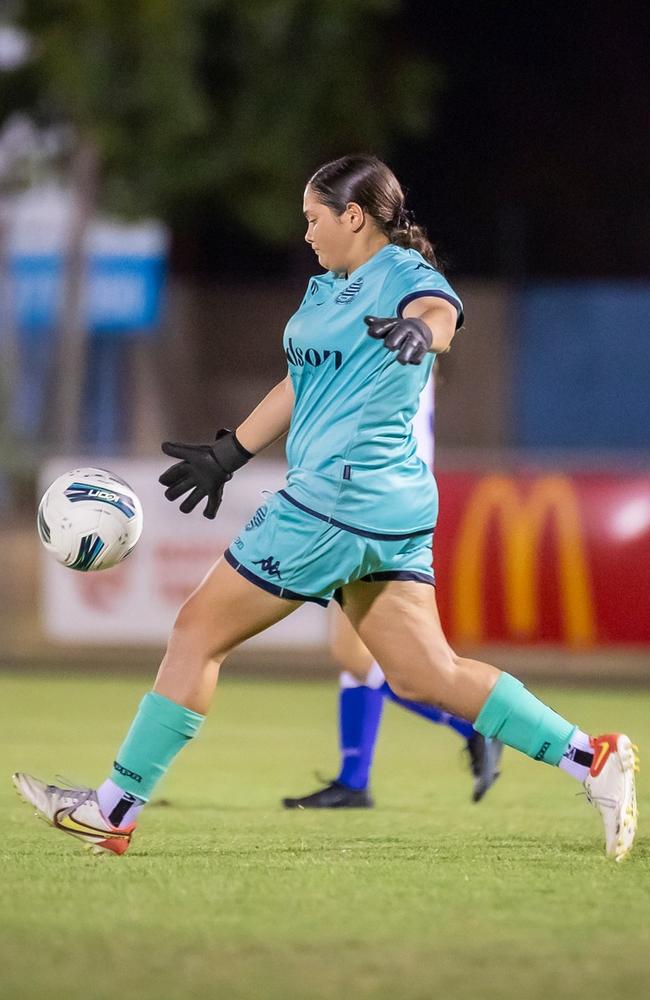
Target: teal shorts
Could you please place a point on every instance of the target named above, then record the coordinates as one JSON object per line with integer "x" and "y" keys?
{"x": 301, "y": 555}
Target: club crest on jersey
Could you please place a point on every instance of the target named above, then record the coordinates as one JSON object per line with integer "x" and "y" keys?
{"x": 84, "y": 491}
{"x": 349, "y": 293}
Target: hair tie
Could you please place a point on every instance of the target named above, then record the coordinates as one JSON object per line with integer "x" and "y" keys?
{"x": 404, "y": 219}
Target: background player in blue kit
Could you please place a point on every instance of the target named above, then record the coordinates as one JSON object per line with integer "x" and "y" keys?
{"x": 363, "y": 691}
{"x": 354, "y": 522}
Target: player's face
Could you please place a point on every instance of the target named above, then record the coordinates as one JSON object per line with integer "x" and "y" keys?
{"x": 329, "y": 235}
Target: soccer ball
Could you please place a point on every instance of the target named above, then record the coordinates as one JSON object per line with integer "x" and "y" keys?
{"x": 89, "y": 519}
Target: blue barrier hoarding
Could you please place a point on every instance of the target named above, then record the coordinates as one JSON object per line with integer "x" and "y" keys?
{"x": 122, "y": 293}
{"x": 582, "y": 358}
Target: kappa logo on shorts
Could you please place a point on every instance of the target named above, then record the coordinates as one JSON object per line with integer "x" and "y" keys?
{"x": 269, "y": 565}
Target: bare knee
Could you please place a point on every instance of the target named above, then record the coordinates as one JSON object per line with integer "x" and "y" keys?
{"x": 349, "y": 653}
{"x": 429, "y": 682}
{"x": 358, "y": 673}
{"x": 188, "y": 617}
{"x": 355, "y": 662}
{"x": 194, "y": 630}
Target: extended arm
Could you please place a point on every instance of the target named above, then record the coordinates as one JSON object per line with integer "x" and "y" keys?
{"x": 439, "y": 315}
{"x": 428, "y": 324}
{"x": 202, "y": 470}
{"x": 269, "y": 420}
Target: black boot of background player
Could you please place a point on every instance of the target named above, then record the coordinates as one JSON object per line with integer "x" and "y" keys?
{"x": 333, "y": 796}
{"x": 484, "y": 758}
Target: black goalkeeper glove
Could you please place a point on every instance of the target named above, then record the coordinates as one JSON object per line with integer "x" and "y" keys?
{"x": 203, "y": 471}
{"x": 411, "y": 338}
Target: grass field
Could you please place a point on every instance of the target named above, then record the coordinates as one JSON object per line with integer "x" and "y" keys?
{"x": 225, "y": 895}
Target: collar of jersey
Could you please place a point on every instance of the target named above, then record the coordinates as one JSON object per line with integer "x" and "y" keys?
{"x": 362, "y": 267}
{"x": 333, "y": 281}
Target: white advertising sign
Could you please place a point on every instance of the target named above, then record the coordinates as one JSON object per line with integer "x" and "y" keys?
{"x": 136, "y": 602}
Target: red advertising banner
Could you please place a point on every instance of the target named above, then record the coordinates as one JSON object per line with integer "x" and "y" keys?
{"x": 544, "y": 558}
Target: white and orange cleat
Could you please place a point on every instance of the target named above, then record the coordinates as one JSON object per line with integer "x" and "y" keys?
{"x": 74, "y": 811}
{"x": 610, "y": 787}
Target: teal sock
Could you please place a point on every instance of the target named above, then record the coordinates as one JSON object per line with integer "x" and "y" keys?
{"x": 520, "y": 720}
{"x": 160, "y": 729}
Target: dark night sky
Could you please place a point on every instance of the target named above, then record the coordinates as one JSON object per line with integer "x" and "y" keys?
{"x": 538, "y": 164}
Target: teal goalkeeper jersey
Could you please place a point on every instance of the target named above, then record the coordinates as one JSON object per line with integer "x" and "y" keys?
{"x": 351, "y": 451}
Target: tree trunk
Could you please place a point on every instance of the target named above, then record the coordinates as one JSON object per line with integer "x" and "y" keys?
{"x": 70, "y": 356}
{"x": 9, "y": 356}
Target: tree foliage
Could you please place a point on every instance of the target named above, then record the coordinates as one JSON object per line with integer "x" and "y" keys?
{"x": 228, "y": 103}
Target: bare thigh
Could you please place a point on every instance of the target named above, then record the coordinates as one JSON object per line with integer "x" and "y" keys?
{"x": 398, "y": 621}
{"x": 224, "y": 611}
{"x": 346, "y": 647}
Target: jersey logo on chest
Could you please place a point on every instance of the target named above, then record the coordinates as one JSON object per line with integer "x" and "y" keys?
{"x": 310, "y": 356}
{"x": 349, "y": 293}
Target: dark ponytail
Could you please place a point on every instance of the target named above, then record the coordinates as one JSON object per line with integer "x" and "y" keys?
{"x": 406, "y": 233}
{"x": 372, "y": 185}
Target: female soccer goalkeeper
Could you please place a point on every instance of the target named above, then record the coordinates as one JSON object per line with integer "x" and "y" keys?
{"x": 354, "y": 522}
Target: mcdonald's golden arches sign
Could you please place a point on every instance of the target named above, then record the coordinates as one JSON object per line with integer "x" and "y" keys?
{"x": 530, "y": 558}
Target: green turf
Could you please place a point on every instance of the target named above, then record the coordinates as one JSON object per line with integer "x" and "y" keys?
{"x": 224, "y": 895}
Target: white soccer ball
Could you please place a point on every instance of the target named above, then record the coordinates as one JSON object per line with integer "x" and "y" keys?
{"x": 89, "y": 519}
